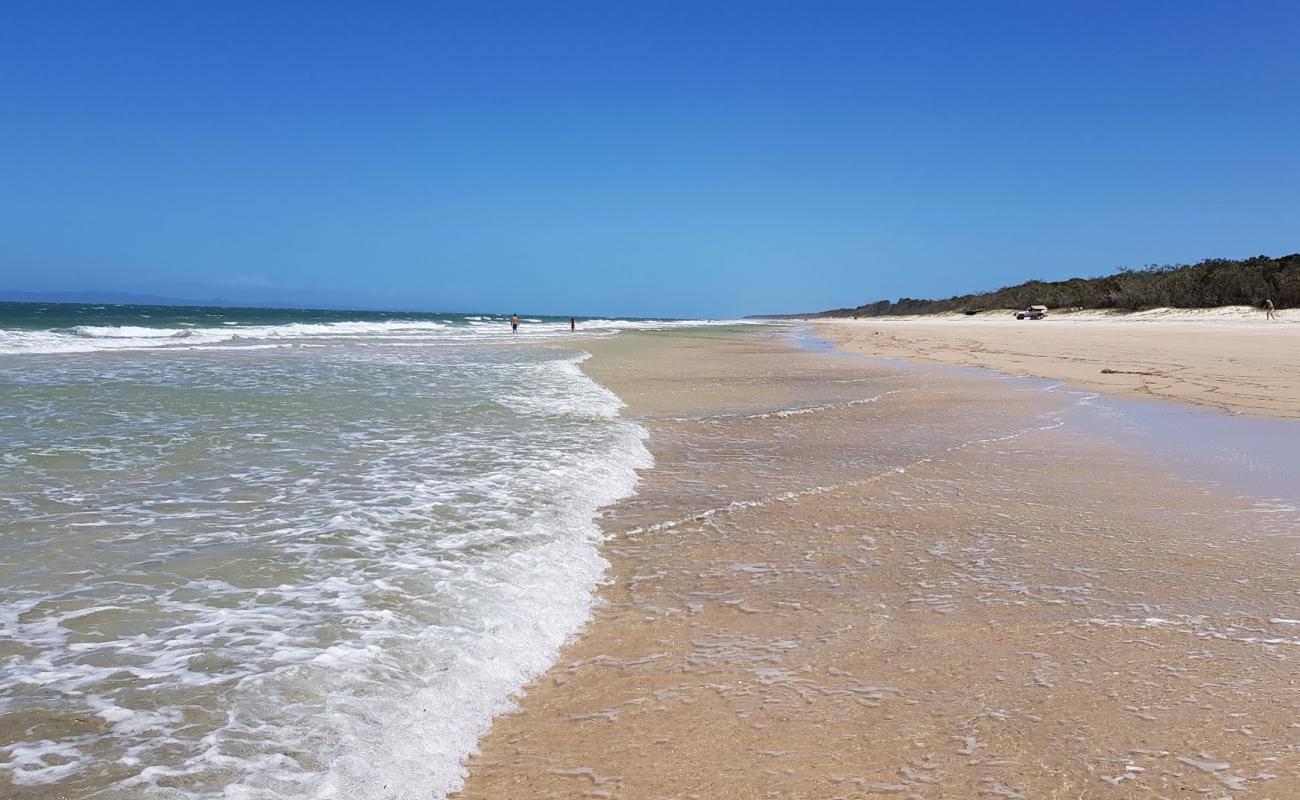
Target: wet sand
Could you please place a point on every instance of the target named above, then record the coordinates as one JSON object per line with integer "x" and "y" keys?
{"x": 848, "y": 578}
{"x": 1244, "y": 365}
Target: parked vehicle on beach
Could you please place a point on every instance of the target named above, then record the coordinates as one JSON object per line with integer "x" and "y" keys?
{"x": 1033, "y": 312}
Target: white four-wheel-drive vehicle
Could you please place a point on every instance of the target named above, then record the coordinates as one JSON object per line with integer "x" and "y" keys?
{"x": 1033, "y": 312}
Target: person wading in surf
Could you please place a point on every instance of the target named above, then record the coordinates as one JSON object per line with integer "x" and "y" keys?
{"x": 573, "y": 324}
{"x": 514, "y": 323}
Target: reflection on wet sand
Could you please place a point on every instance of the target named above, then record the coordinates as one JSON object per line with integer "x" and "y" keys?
{"x": 911, "y": 588}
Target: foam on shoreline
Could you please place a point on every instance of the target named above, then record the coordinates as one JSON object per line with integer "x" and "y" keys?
{"x": 311, "y": 577}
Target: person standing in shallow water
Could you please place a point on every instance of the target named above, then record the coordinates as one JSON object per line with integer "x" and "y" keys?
{"x": 573, "y": 324}
{"x": 514, "y": 323}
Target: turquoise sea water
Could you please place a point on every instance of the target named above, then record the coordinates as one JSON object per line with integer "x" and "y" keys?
{"x": 262, "y": 553}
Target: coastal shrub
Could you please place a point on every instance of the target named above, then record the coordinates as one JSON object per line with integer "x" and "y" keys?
{"x": 1207, "y": 284}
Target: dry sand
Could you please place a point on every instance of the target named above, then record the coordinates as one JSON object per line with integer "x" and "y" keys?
{"x": 1231, "y": 359}
{"x": 847, "y": 578}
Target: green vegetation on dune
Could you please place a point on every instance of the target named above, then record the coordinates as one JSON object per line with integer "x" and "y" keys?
{"x": 1213, "y": 282}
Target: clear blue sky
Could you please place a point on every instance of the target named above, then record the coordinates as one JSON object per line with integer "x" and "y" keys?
{"x": 657, "y": 158}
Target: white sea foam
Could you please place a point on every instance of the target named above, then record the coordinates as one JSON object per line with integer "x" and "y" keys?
{"x": 128, "y": 332}
{"x": 92, "y": 338}
{"x": 294, "y": 575}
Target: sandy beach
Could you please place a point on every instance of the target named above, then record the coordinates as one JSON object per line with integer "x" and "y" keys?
{"x": 1233, "y": 359}
{"x": 855, "y": 578}
{"x": 465, "y": 401}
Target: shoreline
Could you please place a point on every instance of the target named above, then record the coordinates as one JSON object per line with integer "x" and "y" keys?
{"x": 1239, "y": 366}
{"x": 828, "y": 587}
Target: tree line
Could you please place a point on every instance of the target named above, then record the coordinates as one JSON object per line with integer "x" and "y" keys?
{"x": 1209, "y": 283}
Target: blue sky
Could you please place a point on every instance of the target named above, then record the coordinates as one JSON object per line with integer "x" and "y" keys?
{"x": 654, "y": 158}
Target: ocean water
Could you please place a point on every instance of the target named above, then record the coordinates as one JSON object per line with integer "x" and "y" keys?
{"x": 287, "y": 554}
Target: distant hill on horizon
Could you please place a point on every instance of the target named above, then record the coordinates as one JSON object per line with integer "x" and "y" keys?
{"x": 1207, "y": 284}
{"x": 130, "y": 299}
{"x": 125, "y": 299}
